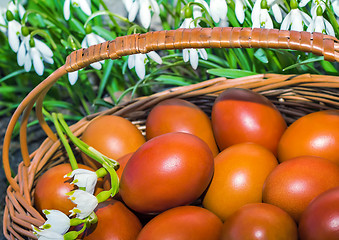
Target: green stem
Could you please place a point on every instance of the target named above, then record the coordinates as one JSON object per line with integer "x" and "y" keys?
{"x": 88, "y": 150}
{"x": 64, "y": 141}
{"x": 333, "y": 20}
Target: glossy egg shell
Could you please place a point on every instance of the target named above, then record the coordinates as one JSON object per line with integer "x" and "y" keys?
{"x": 293, "y": 184}
{"x": 113, "y": 136}
{"x": 320, "y": 220}
{"x": 170, "y": 170}
{"x": 241, "y": 115}
{"x": 182, "y": 223}
{"x": 115, "y": 221}
{"x": 178, "y": 115}
{"x": 239, "y": 175}
{"x": 51, "y": 188}
{"x": 315, "y": 134}
{"x": 258, "y": 221}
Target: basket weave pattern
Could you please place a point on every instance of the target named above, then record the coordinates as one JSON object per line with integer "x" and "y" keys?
{"x": 294, "y": 96}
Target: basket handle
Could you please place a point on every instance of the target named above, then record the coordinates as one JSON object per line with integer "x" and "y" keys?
{"x": 217, "y": 37}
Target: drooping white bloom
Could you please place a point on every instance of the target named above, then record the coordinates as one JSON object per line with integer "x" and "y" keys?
{"x": 89, "y": 40}
{"x": 85, "y": 6}
{"x": 197, "y": 10}
{"x": 218, "y": 10}
{"x": 84, "y": 178}
{"x": 139, "y": 60}
{"x": 240, "y": 10}
{"x": 36, "y": 54}
{"x": 295, "y": 20}
{"x": 16, "y": 7}
{"x": 192, "y": 54}
{"x": 14, "y": 33}
{"x": 144, "y": 8}
{"x": 55, "y": 227}
{"x": 335, "y": 5}
{"x": 86, "y": 203}
{"x": 260, "y": 17}
{"x": 320, "y": 24}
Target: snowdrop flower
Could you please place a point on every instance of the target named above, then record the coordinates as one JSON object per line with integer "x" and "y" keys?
{"x": 320, "y": 24}
{"x": 55, "y": 227}
{"x": 192, "y": 54}
{"x": 218, "y": 9}
{"x": 86, "y": 203}
{"x": 197, "y": 10}
{"x": 34, "y": 51}
{"x": 240, "y": 10}
{"x": 84, "y": 179}
{"x": 260, "y": 16}
{"x": 295, "y": 19}
{"x": 315, "y": 4}
{"x": 89, "y": 40}
{"x": 139, "y": 60}
{"x": 16, "y": 8}
{"x": 335, "y": 5}
{"x": 85, "y": 6}
{"x": 144, "y": 8}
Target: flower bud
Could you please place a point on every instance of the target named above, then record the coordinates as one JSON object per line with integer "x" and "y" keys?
{"x": 263, "y": 4}
{"x": 294, "y": 4}
{"x": 9, "y": 16}
{"x": 88, "y": 29}
{"x": 24, "y": 31}
{"x": 188, "y": 12}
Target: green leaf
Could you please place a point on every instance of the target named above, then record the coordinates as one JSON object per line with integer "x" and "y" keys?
{"x": 310, "y": 60}
{"x": 261, "y": 55}
{"x": 77, "y": 26}
{"x": 108, "y": 35}
{"x": 13, "y": 74}
{"x": 173, "y": 80}
{"x": 230, "y": 73}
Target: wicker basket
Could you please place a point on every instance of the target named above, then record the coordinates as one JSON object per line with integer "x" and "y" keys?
{"x": 294, "y": 96}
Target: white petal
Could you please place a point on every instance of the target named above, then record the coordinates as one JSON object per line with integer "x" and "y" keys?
{"x": 267, "y": 19}
{"x": 49, "y": 235}
{"x": 86, "y": 203}
{"x": 255, "y": 16}
{"x": 14, "y": 29}
{"x": 197, "y": 10}
{"x": 133, "y": 11}
{"x": 140, "y": 65}
{"x": 91, "y": 39}
{"x": 155, "y": 57}
{"x": 2, "y": 22}
{"x": 297, "y": 23}
{"x": 306, "y": 19}
{"x": 131, "y": 61}
{"x": 28, "y": 62}
{"x": 203, "y": 54}
{"x": 155, "y": 7}
{"x": 37, "y": 61}
{"x": 48, "y": 59}
{"x": 186, "y": 23}
{"x": 310, "y": 27}
{"x": 277, "y": 13}
{"x": 127, "y": 4}
{"x": 99, "y": 38}
{"x": 145, "y": 14}
{"x": 329, "y": 28}
{"x": 58, "y": 221}
{"x": 85, "y": 6}
{"x": 21, "y": 10}
{"x": 67, "y": 12}
{"x": 43, "y": 48}
{"x": 96, "y": 65}
{"x": 214, "y": 11}
{"x": 194, "y": 58}
{"x": 73, "y": 77}
{"x": 11, "y": 7}
{"x": 185, "y": 55}
{"x": 286, "y": 22}
{"x": 84, "y": 178}
{"x": 335, "y": 5}
{"x": 21, "y": 54}
{"x": 239, "y": 11}
{"x": 84, "y": 43}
